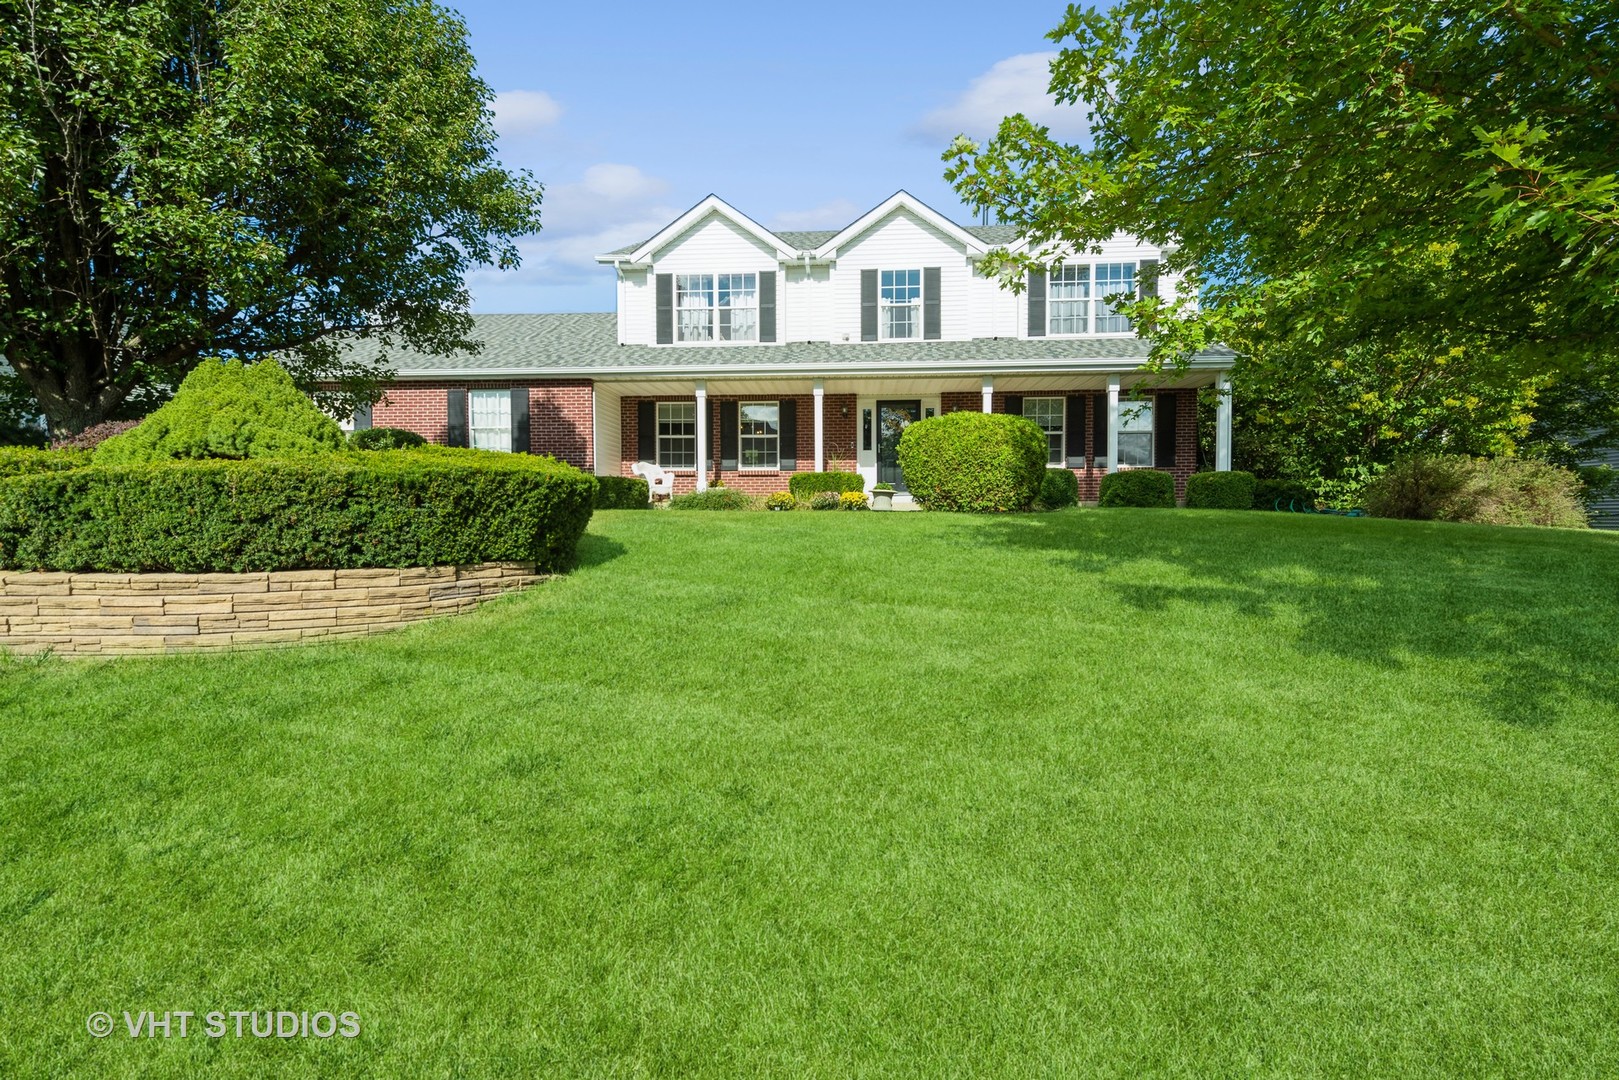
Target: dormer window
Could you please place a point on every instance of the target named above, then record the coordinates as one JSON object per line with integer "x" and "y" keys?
{"x": 900, "y": 303}
{"x": 717, "y": 307}
{"x": 1112, "y": 279}
{"x": 1069, "y": 300}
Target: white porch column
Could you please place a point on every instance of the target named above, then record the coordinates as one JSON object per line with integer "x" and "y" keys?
{"x": 989, "y": 393}
{"x": 1113, "y": 423}
{"x": 820, "y": 426}
{"x": 702, "y": 436}
{"x": 1222, "y": 424}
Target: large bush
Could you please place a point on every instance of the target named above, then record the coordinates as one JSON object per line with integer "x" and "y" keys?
{"x": 1059, "y": 488}
{"x": 385, "y": 438}
{"x": 18, "y": 460}
{"x": 973, "y": 461}
{"x": 622, "y": 493}
{"x": 390, "y": 508}
{"x": 805, "y": 484}
{"x": 1486, "y": 491}
{"x": 718, "y": 498}
{"x": 1137, "y": 487}
{"x": 1232, "y": 490}
{"x": 227, "y": 409}
{"x": 1275, "y": 494}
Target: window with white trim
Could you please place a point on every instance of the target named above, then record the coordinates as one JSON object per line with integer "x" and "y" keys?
{"x": 1047, "y": 412}
{"x": 899, "y": 304}
{"x": 1135, "y": 432}
{"x": 677, "y": 434}
{"x": 489, "y": 419}
{"x": 717, "y": 307}
{"x": 1068, "y": 300}
{"x": 1112, "y": 279}
{"x": 760, "y": 437}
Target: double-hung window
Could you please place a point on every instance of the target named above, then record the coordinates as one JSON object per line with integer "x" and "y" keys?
{"x": 1112, "y": 279}
{"x": 489, "y": 414}
{"x": 1068, "y": 300}
{"x": 760, "y": 435}
{"x": 717, "y": 307}
{"x": 900, "y": 304}
{"x": 1135, "y": 432}
{"x": 1047, "y": 412}
{"x": 677, "y": 434}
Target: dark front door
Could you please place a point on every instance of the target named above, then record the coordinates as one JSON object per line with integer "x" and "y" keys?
{"x": 893, "y": 417}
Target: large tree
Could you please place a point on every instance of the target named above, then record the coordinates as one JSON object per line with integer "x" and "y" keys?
{"x": 190, "y": 177}
{"x": 1342, "y": 175}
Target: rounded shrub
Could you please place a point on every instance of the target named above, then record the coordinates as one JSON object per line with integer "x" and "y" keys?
{"x": 716, "y": 498}
{"x": 1059, "y": 488}
{"x": 853, "y": 500}
{"x": 972, "y": 461}
{"x": 1137, "y": 487}
{"x": 781, "y": 500}
{"x": 826, "y": 500}
{"x": 622, "y": 493}
{"x": 227, "y": 409}
{"x": 385, "y": 438}
{"x": 1232, "y": 490}
{"x": 805, "y": 484}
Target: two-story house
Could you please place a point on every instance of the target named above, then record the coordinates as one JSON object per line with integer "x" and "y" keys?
{"x": 740, "y": 355}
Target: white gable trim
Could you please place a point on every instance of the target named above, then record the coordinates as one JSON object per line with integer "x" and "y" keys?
{"x": 713, "y": 204}
{"x": 901, "y": 200}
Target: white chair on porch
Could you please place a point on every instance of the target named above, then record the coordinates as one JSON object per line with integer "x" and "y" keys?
{"x": 658, "y": 481}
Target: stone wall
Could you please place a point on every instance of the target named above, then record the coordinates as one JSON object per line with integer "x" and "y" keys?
{"x": 109, "y": 614}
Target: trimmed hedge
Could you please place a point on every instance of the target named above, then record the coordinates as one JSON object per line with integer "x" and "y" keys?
{"x": 1137, "y": 487}
{"x": 713, "y": 499}
{"x": 973, "y": 461}
{"x": 1232, "y": 490}
{"x": 21, "y": 460}
{"x": 339, "y": 511}
{"x": 622, "y": 493}
{"x": 1282, "y": 495}
{"x": 385, "y": 438}
{"x": 1059, "y": 488}
{"x": 805, "y": 484}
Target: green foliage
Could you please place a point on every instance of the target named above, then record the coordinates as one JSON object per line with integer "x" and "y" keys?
{"x": 622, "y": 493}
{"x": 853, "y": 500}
{"x": 227, "y": 409}
{"x": 385, "y": 438}
{"x": 1220, "y": 490}
{"x": 20, "y": 460}
{"x": 94, "y": 435}
{"x": 1487, "y": 491}
{"x": 1059, "y": 488}
{"x": 188, "y": 175}
{"x": 715, "y": 498}
{"x": 1282, "y": 495}
{"x": 973, "y": 461}
{"x": 805, "y": 484}
{"x": 390, "y": 508}
{"x": 781, "y": 500}
{"x": 1137, "y": 487}
{"x": 826, "y": 500}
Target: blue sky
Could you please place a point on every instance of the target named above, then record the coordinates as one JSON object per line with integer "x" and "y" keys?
{"x": 800, "y": 115}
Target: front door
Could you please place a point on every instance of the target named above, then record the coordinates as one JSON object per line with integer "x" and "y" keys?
{"x": 893, "y": 417}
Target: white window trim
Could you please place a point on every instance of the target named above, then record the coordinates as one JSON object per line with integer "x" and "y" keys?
{"x": 473, "y": 429}
{"x": 739, "y": 437}
{"x": 714, "y": 309}
{"x": 918, "y": 306}
{"x": 659, "y": 436}
{"x": 1152, "y": 435}
{"x": 1096, "y": 298}
{"x": 1062, "y": 427}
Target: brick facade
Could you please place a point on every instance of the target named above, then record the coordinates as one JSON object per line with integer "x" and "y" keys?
{"x": 559, "y": 413}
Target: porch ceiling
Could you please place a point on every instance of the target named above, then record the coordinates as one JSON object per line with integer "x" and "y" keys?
{"x": 899, "y": 384}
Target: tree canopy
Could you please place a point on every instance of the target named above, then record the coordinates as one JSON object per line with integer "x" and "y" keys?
{"x": 184, "y": 178}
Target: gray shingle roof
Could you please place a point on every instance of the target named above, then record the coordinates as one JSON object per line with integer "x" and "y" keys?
{"x": 587, "y": 344}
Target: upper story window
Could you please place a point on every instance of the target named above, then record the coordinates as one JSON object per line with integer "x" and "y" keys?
{"x": 1047, "y": 412}
{"x": 900, "y": 304}
{"x": 1068, "y": 302}
{"x": 489, "y": 414}
{"x": 677, "y": 434}
{"x": 1135, "y": 432}
{"x": 717, "y": 307}
{"x": 761, "y": 434}
{"x": 1112, "y": 279}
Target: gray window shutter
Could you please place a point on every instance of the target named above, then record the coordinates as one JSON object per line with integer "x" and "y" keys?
{"x": 520, "y": 443}
{"x": 730, "y": 424}
{"x": 666, "y": 309}
{"x": 1147, "y": 278}
{"x": 930, "y": 303}
{"x": 362, "y": 417}
{"x": 1012, "y": 404}
{"x": 456, "y": 432}
{"x": 1098, "y": 426}
{"x": 1074, "y": 431}
{"x": 789, "y": 434}
{"x": 767, "y": 306}
{"x": 646, "y": 430}
{"x": 1163, "y": 429}
{"x": 1037, "y": 303}
{"x": 868, "y": 305}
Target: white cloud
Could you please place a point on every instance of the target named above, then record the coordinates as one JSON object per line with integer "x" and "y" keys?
{"x": 519, "y": 113}
{"x": 832, "y": 215}
{"x": 1017, "y": 84}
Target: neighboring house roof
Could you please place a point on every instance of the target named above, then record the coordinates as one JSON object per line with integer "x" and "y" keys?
{"x": 586, "y": 345}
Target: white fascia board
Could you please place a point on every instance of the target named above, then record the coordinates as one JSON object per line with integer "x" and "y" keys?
{"x": 901, "y": 200}
{"x": 712, "y": 204}
{"x": 1094, "y": 366}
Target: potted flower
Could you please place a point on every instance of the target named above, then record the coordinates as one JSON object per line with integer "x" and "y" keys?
{"x": 882, "y": 497}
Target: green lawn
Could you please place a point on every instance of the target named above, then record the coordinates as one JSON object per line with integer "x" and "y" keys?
{"x": 1097, "y": 793}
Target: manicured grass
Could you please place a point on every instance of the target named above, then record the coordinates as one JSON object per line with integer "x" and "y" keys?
{"x": 1082, "y": 794}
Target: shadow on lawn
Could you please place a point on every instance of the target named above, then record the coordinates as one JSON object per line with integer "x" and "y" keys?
{"x": 1367, "y": 592}
{"x": 596, "y": 550}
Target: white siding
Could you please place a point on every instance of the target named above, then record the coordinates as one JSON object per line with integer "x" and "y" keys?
{"x": 637, "y": 308}
{"x": 902, "y": 241}
{"x": 805, "y": 304}
{"x": 713, "y": 246}
{"x": 607, "y": 431}
{"x": 1121, "y": 248}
